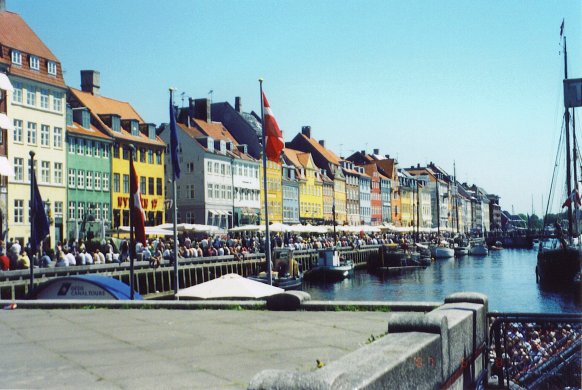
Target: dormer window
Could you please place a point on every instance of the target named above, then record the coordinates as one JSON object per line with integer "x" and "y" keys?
{"x": 34, "y": 62}
{"x": 151, "y": 131}
{"x": 52, "y": 68}
{"x": 134, "y": 128}
{"x": 222, "y": 146}
{"x": 115, "y": 123}
{"x": 69, "y": 115}
{"x": 16, "y": 57}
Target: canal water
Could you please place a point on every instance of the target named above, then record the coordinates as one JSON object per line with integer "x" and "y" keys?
{"x": 507, "y": 277}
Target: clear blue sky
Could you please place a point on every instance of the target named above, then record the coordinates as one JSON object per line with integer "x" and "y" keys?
{"x": 472, "y": 82}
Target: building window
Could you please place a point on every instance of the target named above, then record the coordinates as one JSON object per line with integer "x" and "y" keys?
{"x": 59, "y": 209}
{"x": 58, "y": 168}
{"x": 72, "y": 145}
{"x": 217, "y": 191}
{"x": 142, "y": 155}
{"x": 105, "y": 212}
{"x": 45, "y": 134}
{"x": 58, "y": 137}
{"x": 97, "y": 149}
{"x": 52, "y": 67}
{"x": 81, "y": 209}
{"x": 18, "y": 169}
{"x": 71, "y": 178}
{"x": 44, "y": 99}
{"x": 98, "y": 181}
{"x": 150, "y": 156}
{"x": 80, "y": 179}
{"x": 158, "y": 186}
{"x": 106, "y": 181}
{"x": 190, "y": 167}
{"x": 18, "y": 211}
{"x": 209, "y": 195}
{"x": 16, "y": 57}
{"x": 151, "y": 185}
{"x": 126, "y": 184}
{"x": 106, "y": 151}
{"x": 89, "y": 181}
{"x": 116, "y": 182}
{"x": 115, "y": 151}
{"x": 31, "y": 95}
{"x": 80, "y": 147}
{"x": 58, "y": 102}
{"x": 34, "y": 62}
{"x": 134, "y": 128}
{"x": 209, "y": 167}
{"x": 159, "y": 158}
{"x": 31, "y": 134}
{"x": 89, "y": 148}
{"x": 125, "y": 154}
{"x": 71, "y": 210}
{"x": 17, "y": 131}
{"x": 142, "y": 185}
{"x": 17, "y": 93}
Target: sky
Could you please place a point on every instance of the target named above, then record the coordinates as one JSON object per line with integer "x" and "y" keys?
{"x": 471, "y": 84}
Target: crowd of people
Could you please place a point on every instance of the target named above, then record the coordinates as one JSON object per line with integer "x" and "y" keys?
{"x": 14, "y": 255}
{"x": 530, "y": 345}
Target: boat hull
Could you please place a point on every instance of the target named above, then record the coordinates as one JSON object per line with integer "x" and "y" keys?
{"x": 329, "y": 273}
{"x": 558, "y": 265}
{"x": 286, "y": 283}
{"x": 478, "y": 251}
{"x": 443, "y": 253}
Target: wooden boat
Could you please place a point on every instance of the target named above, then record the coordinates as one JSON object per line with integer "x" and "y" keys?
{"x": 330, "y": 267}
{"x": 286, "y": 274}
{"x": 559, "y": 258}
{"x": 286, "y": 282}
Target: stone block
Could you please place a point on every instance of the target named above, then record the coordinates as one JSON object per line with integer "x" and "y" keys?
{"x": 396, "y": 361}
{"x": 287, "y": 301}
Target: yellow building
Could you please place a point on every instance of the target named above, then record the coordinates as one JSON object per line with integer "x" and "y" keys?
{"x": 274, "y": 193}
{"x": 310, "y": 187}
{"x": 121, "y": 122}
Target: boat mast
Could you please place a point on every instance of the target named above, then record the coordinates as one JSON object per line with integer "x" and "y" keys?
{"x": 456, "y": 196}
{"x": 568, "y": 157}
{"x": 438, "y": 208}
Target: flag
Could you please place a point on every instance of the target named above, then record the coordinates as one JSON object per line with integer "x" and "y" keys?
{"x": 273, "y": 137}
{"x": 574, "y": 197}
{"x": 39, "y": 222}
{"x": 174, "y": 142}
{"x": 562, "y": 28}
{"x": 137, "y": 213}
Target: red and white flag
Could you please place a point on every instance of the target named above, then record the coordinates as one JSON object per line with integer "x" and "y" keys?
{"x": 574, "y": 197}
{"x": 274, "y": 143}
{"x": 137, "y": 213}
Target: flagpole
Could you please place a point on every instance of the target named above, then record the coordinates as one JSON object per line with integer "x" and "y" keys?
{"x": 32, "y": 227}
{"x": 174, "y": 207}
{"x": 131, "y": 227}
{"x": 267, "y": 236}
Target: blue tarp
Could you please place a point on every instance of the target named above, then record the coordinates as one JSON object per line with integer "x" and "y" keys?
{"x": 59, "y": 288}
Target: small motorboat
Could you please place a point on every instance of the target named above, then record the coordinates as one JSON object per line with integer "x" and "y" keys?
{"x": 286, "y": 274}
{"x": 330, "y": 267}
{"x": 443, "y": 251}
{"x": 478, "y": 249}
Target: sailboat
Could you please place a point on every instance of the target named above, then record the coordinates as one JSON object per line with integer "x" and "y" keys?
{"x": 559, "y": 259}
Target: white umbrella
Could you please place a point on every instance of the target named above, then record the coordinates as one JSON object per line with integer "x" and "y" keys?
{"x": 150, "y": 230}
{"x": 243, "y": 228}
{"x": 229, "y": 286}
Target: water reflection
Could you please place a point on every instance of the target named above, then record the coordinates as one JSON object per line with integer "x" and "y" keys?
{"x": 507, "y": 277}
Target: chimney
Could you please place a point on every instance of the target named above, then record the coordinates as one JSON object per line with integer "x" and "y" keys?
{"x": 376, "y": 151}
{"x": 90, "y": 81}
{"x": 418, "y": 165}
{"x": 322, "y": 143}
{"x": 387, "y": 156}
{"x": 2, "y": 5}
{"x": 306, "y": 131}
{"x": 363, "y": 152}
{"x": 202, "y": 110}
{"x": 237, "y": 104}
{"x": 190, "y": 110}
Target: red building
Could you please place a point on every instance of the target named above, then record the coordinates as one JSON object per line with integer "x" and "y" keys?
{"x": 376, "y": 195}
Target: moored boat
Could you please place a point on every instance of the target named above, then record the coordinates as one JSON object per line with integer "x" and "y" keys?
{"x": 478, "y": 249}
{"x": 330, "y": 267}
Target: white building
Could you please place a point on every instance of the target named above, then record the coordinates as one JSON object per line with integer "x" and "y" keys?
{"x": 37, "y": 108}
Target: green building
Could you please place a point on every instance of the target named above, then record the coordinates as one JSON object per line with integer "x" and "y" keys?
{"x": 88, "y": 176}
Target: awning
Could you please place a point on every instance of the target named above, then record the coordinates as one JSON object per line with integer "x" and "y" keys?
{"x": 214, "y": 212}
{"x": 5, "y": 167}
{"x": 5, "y": 83}
{"x": 5, "y": 122}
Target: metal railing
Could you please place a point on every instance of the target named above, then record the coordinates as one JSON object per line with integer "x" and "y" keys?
{"x": 534, "y": 350}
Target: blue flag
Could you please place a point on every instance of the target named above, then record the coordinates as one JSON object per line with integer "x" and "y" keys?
{"x": 174, "y": 142}
{"x": 39, "y": 228}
